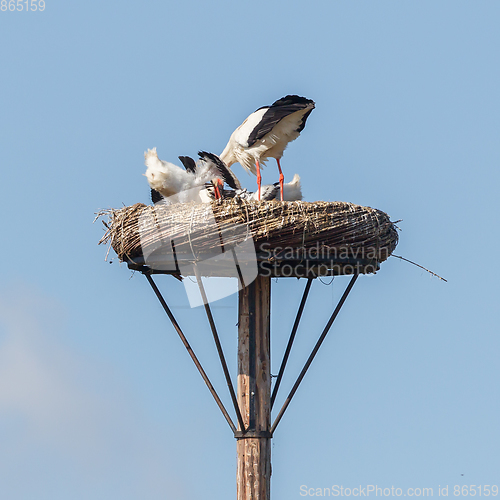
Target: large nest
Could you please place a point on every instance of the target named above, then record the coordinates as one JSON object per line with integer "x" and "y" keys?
{"x": 296, "y": 231}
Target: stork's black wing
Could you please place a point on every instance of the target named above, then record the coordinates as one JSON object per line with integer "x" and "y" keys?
{"x": 279, "y": 110}
{"x": 224, "y": 172}
{"x": 155, "y": 196}
{"x": 189, "y": 163}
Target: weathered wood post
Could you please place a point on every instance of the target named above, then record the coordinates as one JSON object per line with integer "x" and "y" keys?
{"x": 254, "y": 391}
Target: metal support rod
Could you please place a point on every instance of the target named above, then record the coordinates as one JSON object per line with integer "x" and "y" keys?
{"x": 219, "y": 348}
{"x": 314, "y": 352}
{"x": 290, "y": 341}
{"x": 191, "y": 352}
{"x": 238, "y": 269}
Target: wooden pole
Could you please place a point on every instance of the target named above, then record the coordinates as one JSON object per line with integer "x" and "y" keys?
{"x": 253, "y": 448}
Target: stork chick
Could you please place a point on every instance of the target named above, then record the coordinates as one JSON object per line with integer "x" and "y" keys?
{"x": 292, "y": 191}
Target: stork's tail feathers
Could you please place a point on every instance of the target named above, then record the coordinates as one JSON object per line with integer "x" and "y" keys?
{"x": 292, "y": 191}
{"x": 294, "y": 100}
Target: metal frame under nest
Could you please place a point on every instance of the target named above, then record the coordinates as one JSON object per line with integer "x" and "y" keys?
{"x": 244, "y": 431}
{"x": 192, "y": 232}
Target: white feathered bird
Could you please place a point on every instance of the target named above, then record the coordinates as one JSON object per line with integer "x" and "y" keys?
{"x": 292, "y": 191}
{"x": 179, "y": 185}
{"x": 266, "y": 134}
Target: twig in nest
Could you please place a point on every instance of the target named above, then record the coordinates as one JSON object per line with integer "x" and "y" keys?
{"x": 421, "y": 267}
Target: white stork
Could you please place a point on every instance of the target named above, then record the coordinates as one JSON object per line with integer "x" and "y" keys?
{"x": 266, "y": 134}
{"x": 292, "y": 191}
{"x": 167, "y": 180}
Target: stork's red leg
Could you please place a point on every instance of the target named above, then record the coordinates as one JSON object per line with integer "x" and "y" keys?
{"x": 282, "y": 178}
{"x": 217, "y": 194}
{"x": 259, "y": 177}
{"x": 218, "y": 185}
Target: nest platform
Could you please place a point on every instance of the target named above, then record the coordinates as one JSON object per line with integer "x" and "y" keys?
{"x": 299, "y": 239}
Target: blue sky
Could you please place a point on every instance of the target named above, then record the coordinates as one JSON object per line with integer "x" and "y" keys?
{"x": 97, "y": 397}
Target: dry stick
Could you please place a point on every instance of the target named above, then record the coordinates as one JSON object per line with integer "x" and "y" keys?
{"x": 421, "y": 267}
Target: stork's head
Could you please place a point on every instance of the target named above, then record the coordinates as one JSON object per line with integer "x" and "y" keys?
{"x": 227, "y": 156}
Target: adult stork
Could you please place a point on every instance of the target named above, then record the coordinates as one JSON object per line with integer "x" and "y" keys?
{"x": 266, "y": 134}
